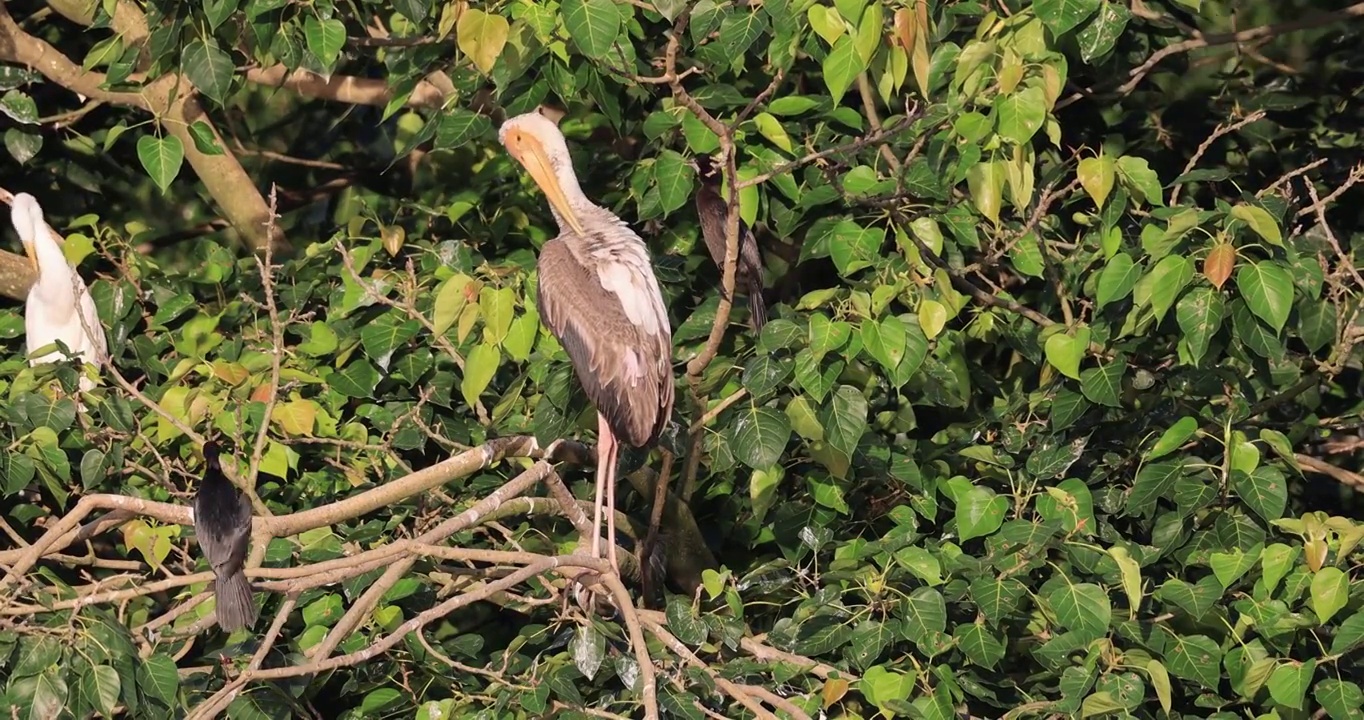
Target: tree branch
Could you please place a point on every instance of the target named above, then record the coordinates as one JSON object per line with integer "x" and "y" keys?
{"x": 170, "y": 98}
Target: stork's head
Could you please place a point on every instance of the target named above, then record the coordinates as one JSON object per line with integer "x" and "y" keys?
{"x": 27, "y": 217}
{"x": 535, "y": 141}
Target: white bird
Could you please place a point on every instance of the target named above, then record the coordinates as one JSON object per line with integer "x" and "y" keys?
{"x": 59, "y": 300}
{"x": 599, "y": 296}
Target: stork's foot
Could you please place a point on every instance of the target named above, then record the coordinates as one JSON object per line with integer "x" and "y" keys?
{"x": 591, "y": 595}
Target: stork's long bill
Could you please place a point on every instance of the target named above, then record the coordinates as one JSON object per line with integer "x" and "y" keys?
{"x": 32, "y": 254}
{"x": 535, "y": 141}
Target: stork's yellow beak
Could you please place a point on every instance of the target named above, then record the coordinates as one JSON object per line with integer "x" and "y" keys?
{"x": 530, "y": 152}
{"x": 32, "y": 255}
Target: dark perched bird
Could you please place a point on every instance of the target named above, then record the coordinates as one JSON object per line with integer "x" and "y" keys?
{"x": 711, "y": 208}
{"x": 222, "y": 522}
{"x": 599, "y": 296}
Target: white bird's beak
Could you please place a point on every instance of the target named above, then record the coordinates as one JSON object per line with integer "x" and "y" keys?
{"x": 530, "y": 152}
{"x": 32, "y": 255}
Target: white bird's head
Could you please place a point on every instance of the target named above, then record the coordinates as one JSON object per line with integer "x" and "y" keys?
{"x": 536, "y": 142}
{"x": 27, "y": 217}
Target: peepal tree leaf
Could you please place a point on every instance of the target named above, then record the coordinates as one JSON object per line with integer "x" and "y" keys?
{"x": 845, "y": 419}
{"x": 1062, "y": 16}
{"x": 209, "y": 68}
{"x": 1268, "y": 291}
{"x": 481, "y": 36}
{"x": 593, "y": 25}
{"x": 759, "y": 436}
{"x": 161, "y": 157}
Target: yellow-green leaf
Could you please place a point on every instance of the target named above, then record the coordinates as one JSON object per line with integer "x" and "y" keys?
{"x": 1097, "y": 175}
{"x": 481, "y": 36}
{"x": 1260, "y": 221}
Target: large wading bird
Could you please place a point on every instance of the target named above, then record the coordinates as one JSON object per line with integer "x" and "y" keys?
{"x": 712, "y": 208}
{"x": 599, "y": 297}
{"x": 59, "y": 306}
{"x": 222, "y": 523}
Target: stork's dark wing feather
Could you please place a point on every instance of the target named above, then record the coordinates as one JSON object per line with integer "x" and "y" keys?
{"x": 748, "y": 274}
{"x": 625, "y": 369}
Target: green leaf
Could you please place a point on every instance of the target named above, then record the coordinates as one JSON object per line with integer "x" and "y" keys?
{"x": 1330, "y": 593}
{"x": 841, "y": 67}
{"x": 1065, "y": 352}
{"x": 923, "y": 613}
{"x": 683, "y": 621}
{"x": 1173, "y": 437}
{"x": 50, "y": 695}
{"x": 588, "y": 650}
{"x": 357, "y": 380}
{"x": 376, "y": 701}
{"x": 1140, "y": 180}
{"x": 1103, "y": 384}
{"x": 19, "y": 107}
{"x": 986, "y": 183}
{"x": 205, "y": 141}
{"x": 979, "y": 645}
{"x": 1096, "y": 175}
{"x": 826, "y": 23}
{"x": 1341, "y": 699}
{"x": 1116, "y": 280}
{"x": 459, "y": 127}
{"x": 1160, "y": 680}
{"x": 1082, "y": 607}
{"x": 498, "y": 307}
{"x": 1260, "y": 221}
{"x": 759, "y": 436}
{"x": 99, "y": 686}
{"x": 1099, "y": 37}
{"x": 325, "y": 38}
{"x": 1062, "y": 16}
{"x": 1289, "y": 682}
{"x": 853, "y": 247}
{"x": 1228, "y": 567}
{"x": 22, "y": 145}
{"x": 1268, "y": 291}
{"x": 845, "y": 420}
{"x": 1199, "y": 314}
{"x": 1349, "y": 634}
{"x": 1021, "y": 115}
{"x": 1166, "y": 281}
{"x": 675, "y": 179}
{"x": 161, "y": 158}
{"x": 980, "y": 513}
{"x": 158, "y": 678}
{"x": 1194, "y": 657}
{"x": 593, "y": 25}
{"x": 1265, "y": 491}
{"x": 209, "y": 68}
{"x": 479, "y": 368}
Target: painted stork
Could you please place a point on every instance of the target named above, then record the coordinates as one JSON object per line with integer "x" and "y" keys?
{"x": 222, "y": 524}
{"x": 712, "y": 208}
{"x": 59, "y": 306}
{"x": 598, "y": 295}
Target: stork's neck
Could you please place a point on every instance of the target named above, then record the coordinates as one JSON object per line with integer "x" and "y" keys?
{"x": 54, "y": 273}
{"x": 587, "y": 211}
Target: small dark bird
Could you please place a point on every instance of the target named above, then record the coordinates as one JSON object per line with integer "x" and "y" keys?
{"x": 222, "y": 522}
{"x": 711, "y": 208}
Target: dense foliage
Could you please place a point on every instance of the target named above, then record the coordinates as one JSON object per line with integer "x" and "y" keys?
{"x": 1055, "y": 416}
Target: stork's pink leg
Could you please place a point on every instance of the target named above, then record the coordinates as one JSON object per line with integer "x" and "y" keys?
{"x": 611, "y": 508}
{"x": 605, "y": 465}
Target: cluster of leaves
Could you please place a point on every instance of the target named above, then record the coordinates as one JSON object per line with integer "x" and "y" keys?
{"x": 1023, "y": 436}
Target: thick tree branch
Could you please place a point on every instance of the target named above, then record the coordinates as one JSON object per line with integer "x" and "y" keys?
{"x": 170, "y": 98}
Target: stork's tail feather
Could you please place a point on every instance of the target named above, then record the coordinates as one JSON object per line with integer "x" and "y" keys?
{"x": 757, "y": 307}
{"x": 236, "y": 608}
